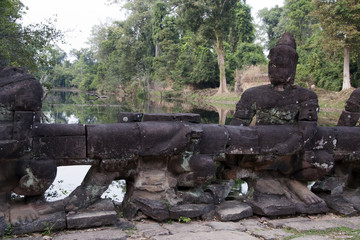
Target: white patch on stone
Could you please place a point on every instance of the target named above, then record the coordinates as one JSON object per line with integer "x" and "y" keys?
{"x": 320, "y": 144}
{"x": 334, "y": 143}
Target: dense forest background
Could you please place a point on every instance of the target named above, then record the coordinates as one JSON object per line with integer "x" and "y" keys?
{"x": 182, "y": 44}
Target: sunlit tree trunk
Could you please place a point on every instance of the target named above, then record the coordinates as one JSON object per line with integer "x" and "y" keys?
{"x": 221, "y": 62}
{"x": 157, "y": 50}
{"x": 346, "y": 78}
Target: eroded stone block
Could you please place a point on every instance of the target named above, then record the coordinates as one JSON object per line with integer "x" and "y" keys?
{"x": 157, "y": 210}
{"x": 60, "y": 147}
{"x": 190, "y": 210}
{"x": 233, "y": 211}
{"x": 91, "y": 219}
{"x": 113, "y": 141}
{"x": 54, "y": 221}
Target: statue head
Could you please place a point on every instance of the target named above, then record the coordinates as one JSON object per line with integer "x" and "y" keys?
{"x": 283, "y": 61}
{"x": 353, "y": 103}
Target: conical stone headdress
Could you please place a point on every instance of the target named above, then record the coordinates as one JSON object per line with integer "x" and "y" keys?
{"x": 288, "y": 40}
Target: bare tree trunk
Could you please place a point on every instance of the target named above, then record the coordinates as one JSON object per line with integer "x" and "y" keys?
{"x": 157, "y": 50}
{"x": 221, "y": 62}
{"x": 346, "y": 78}
{"x": 238, "y": 81}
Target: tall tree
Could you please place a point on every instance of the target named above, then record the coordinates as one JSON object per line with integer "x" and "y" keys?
{"x": 213, "y": 19}
{"x": 340, "y": 21}
{"x": 242, "y": 29}
{"x": 272, "y": 24}
{"x": 241, "y": 51}
{"x": 196, "y": 64}
{"x": 298, "y": 18}
{"x": 125, "y": 50}
{"x": 159, "y": 13}
{"x": 84, "y": 69}
{"x": 26, "y": 46}
{"x": 168, "y": 43}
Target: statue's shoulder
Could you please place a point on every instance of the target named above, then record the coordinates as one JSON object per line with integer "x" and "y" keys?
{"x": 252, "y": 95}
{"x": 305, "y": 93}
{"x": 257, "y": 90}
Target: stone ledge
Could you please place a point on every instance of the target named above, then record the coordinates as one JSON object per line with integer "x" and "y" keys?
{"x": 91, "y": 219}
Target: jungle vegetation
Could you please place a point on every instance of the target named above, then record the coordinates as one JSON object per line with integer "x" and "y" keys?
{"x": 189, "y": 44}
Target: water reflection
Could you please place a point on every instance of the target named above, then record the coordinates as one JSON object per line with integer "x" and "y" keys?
{"x": 79, "y": 107}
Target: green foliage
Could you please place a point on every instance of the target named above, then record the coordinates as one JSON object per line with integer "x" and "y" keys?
{"x": 84, "y": 69}
{"x": 8, "y": 231}
{"x": 168, "y": 50}
{"x": 196, "y": 64}
{"x": 314, "y": 68}
{"x": 246, "y": 54}
{"x": 214, "y": 21}
{"x": 26, "y": 46}
{"x": 319, "y": 28}
{"x": 272, "y": 24}
{"x": 159, "y": 13}
{"x": 340, "y": 22}
{"x": 161, "y": 42}
{"x": 184, "y": 219}
{"x": 81, "y": 73}
{"x": 242, "y": 29}
{"x": 299, "y": 20}
{"x": 48, "y": 227}
{"x": 125, "y": 49}
{"x": 294, "y": 17}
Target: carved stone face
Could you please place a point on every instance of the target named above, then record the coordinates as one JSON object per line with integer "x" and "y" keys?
{"x": 283, "y": 61}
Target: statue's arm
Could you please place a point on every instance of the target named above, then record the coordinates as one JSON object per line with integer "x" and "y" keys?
{"x": 308, "y": 117}
{"x": 245, "y": 111}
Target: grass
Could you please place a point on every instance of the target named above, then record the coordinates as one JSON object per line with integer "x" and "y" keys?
{"x": 331, "y": 105}
{"x": 48, "y": 229}
{"x": 334, "y": 233}
{"x": 332, "y": 99}
{"x": 130, "y": 231}
{"x": 226, "y": 97}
